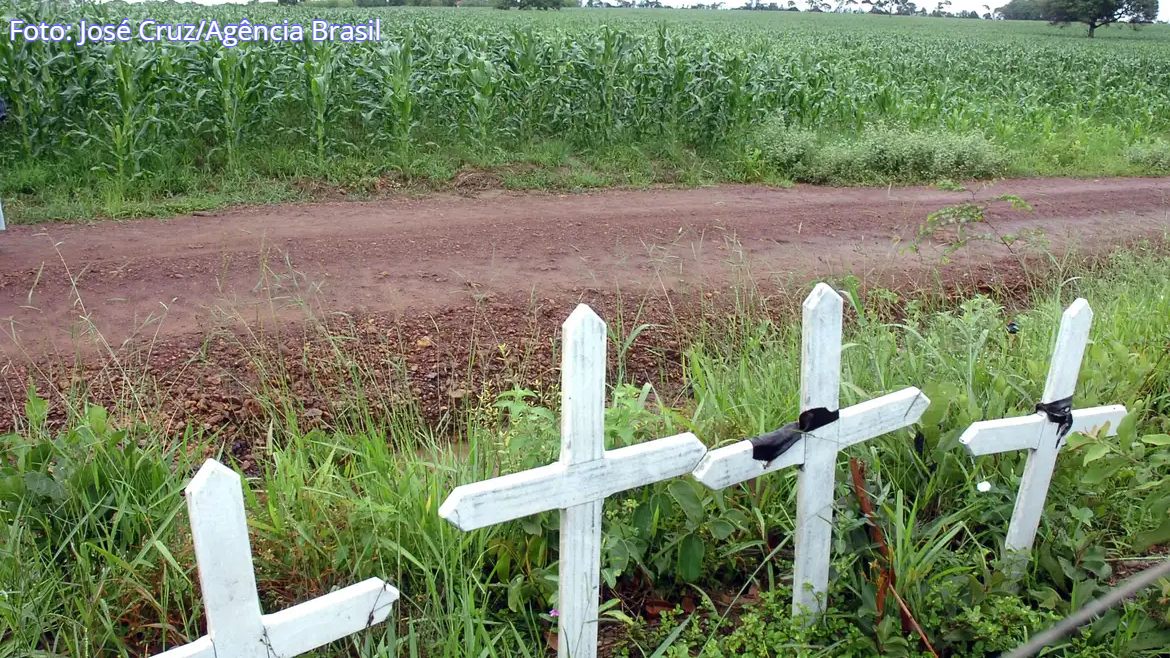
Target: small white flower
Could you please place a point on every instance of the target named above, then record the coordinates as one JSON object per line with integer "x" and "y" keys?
{"x": 984, "y": 486}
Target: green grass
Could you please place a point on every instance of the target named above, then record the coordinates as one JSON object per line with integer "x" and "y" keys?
{"x": 95, "y": 558}
{"x": 145, "y": 129}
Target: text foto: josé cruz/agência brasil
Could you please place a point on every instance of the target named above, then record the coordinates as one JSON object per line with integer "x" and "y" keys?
{"x": 229, "y": 34}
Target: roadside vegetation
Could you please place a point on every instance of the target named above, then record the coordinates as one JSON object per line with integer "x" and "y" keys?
{"x": 1094, "y": 15}
{"x": 96, "y": 560}
{"x": 467, "y": 98}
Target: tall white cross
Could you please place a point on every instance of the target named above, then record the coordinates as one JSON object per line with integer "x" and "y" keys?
{"x": 578, "y": 483}
{"x": 235, "y": 626}
{"x": 1041, "y": 436}
{"x": 815, "y": 452}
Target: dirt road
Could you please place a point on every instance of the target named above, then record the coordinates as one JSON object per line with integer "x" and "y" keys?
{"x": 414, "y": 256}
{"x": 199, "y": 319}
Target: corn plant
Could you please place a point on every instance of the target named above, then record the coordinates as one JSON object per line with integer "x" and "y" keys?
{"x": 389, "y": 100}
{"x": 317, "y": 70}
{"x": 131, "y": 121}
{"x": 499, "y": 80}
{"x": 238, "y": 83}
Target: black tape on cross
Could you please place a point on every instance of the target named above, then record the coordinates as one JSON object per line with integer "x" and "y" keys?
{"x": 1059, "y": 412}
{"x": 767, "y": 447}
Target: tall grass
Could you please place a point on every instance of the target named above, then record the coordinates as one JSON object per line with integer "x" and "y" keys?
{"x": 95, "y": 558}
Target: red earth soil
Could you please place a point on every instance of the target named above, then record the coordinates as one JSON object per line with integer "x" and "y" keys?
{"x": 75, "y": 297}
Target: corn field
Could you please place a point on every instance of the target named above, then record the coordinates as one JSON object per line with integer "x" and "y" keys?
{"x": 483, "y": 80}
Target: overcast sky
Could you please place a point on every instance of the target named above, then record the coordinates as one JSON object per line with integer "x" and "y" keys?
{"x": 956, "y": 5}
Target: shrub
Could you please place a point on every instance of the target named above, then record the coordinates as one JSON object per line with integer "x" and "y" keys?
{"x": 1153, "y": 157}
{"x": 783, "y": 147}
{"x": 769, "y": 624}
{"x": 888, "y": 155}
{"x": 879, "y": 154}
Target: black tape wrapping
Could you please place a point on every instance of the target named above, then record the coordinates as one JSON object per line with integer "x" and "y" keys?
{"x": 767, "y": 447}
{"x": 1059, "y": 412}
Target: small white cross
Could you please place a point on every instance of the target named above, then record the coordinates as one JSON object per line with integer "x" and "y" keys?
{"x": 578, "y": 483}
{"x": 816, "y": 452}
{"x": 1040, "y": 436}
{"x": 235, "y": 626}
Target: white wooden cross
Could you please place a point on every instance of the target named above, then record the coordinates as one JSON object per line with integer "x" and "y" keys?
{"x": 1041, "y": 436}
{"x": 235, "y": 626}
{"x": 815, "y": 452}
{"x": 578, "y": 483}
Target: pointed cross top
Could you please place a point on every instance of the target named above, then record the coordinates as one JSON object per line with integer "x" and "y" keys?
{"x": 583, "y": 316}
{"x": 582, "y": 386}
{"x": 820, "y": 362}
{"x": 1071, "y": 340}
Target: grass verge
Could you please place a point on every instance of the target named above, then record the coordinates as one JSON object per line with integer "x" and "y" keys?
{"x": 95, "y": 558}
{"x": 770, "y": 154}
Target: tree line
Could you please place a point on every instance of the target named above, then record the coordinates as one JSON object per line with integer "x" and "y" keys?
{"x": 1092, "y": 13}
{"x": 885, "y": 7}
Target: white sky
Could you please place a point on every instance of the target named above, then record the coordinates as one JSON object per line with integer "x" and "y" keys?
{"x": 956, "y": 5}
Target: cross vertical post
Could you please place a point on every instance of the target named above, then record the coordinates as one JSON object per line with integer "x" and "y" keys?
{"x": 235, "y": 625}
{"x": 820, "y": 385}
{"x": 577, "y": 483}
{"x": 813, "y": 443}
{"x": 1042, "y": 436}
{"x": 219, "y": 530}
{"x": 582, "y": 441}
{"x": 1071, "y": 340}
